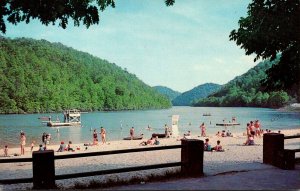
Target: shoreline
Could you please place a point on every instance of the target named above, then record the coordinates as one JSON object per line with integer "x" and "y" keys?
{"x": 236, "y": 157}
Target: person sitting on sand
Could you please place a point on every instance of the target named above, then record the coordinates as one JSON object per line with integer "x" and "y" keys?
{"x": 218, "y": 134}
{"x": 207, "y": 146}
{"x": 6, "y": 151}
{"x": 61, "y": 147}
{"x": 250, "y": 140}
{"x": 187, "y": 135}
{"x": 41, "y": 148}
{"x": 156, "y": 141}
{"x": 148, "y": 142}
{"x": 95, "y": 137}
{"x": 69, "y": 148}
{"x": 218, "y": 147}
{"x": 223, "y": 133}
{"x": 228, "y": 134}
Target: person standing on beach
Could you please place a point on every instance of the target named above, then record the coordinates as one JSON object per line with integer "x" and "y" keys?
{"x": 22, "y": 142}
{"x": 203, "y": 130}
{"x": 103, "y": 135}
{"x": 257, "y": 128}
{"x": 32, "y": 145}
{"x": 131, "y": 132}
{"x": 252, "y": 128}
{"x": 6, "y": 151}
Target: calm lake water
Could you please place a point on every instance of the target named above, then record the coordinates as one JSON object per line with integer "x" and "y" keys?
{"x": 117, "y": 124}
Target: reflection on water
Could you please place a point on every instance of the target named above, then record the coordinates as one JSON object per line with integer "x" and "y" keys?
{"x": 117, "y": 124}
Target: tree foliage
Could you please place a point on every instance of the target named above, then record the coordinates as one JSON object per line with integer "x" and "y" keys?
{"x": 39, "y": 76}
{"x": 85, "y": 12}
{"x": 272, "y": 27}
{"x": 245, "y": 90}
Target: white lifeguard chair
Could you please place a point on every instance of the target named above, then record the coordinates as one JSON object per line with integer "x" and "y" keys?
{"x": 175, "y": 132}
{"x": 72, "y": 116}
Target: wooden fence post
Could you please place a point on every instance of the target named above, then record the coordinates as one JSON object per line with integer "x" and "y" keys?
{"x": 192, "y": 152}
{"x": 43, "y": 169}
{"x": 273, "y": 144}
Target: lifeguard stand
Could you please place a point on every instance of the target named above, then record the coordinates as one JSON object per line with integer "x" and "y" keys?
{"x": 72, "y": 116}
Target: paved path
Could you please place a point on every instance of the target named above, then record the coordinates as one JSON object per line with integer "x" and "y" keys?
{"x": 267, "y": 178}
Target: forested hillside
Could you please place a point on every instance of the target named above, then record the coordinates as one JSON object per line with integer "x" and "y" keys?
{"x": 246, "y": 90}
{"x": 171, "y": 94}
{"x": 196, "y": 93}
{"x": 39, "y": 76}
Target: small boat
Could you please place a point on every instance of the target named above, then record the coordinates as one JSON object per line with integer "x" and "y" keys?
{"x": 44, "y": 118}
{"x": 227, "y": 124}
{"x": 134, "y": 137}
{"x": 159, "y": 135}
{"x": 206, "y": 114}
{"x": 60, "y": 124}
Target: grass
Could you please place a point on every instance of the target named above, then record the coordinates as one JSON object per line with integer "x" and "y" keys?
{"x": 111, "y": 182}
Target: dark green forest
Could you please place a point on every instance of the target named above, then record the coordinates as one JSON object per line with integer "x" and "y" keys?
{"x": 39, "y": 76}
{"x": 247, "y": 91}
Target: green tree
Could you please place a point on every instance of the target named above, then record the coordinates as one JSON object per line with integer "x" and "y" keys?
{"x": 272, "y": 27}
{"x": 85, "y": 12}
{"x": 278, "y": 99}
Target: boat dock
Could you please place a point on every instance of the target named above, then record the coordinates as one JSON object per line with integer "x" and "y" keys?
{"x": 71, "y": 118}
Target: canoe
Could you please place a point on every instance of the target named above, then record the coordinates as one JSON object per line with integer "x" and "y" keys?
{"x": 227, "y": 124}
{"x": 134, "y": 138}
{"x": 159, "y": 135}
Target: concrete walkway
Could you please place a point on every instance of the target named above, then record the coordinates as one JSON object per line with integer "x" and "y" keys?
{"x": 267, "y": 178}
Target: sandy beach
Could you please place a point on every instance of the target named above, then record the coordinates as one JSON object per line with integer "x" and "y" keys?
{"x": 236, "y": 157}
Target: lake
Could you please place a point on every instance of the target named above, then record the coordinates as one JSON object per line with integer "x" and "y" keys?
{"x": 118, "y": 123}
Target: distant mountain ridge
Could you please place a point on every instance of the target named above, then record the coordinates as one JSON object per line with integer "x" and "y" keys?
{"x": 201, "y": 91}
{"x": 171, "y": 94}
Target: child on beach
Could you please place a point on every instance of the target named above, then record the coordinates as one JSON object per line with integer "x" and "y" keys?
{"x": 250, "y": 140}
{"x": 6, "y": 151}
{"x": 218, "y": 147}
{"x": 61, "y": 147}
{"x": 187, "y": 135}
{"x": 32, "y": 145}
{"x": 69, "y": 148}
{"x": 207, "y": 146}
{"x": 41, "y": 148}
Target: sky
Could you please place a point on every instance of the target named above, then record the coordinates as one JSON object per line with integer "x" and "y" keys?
{"x": 180, "y": 46}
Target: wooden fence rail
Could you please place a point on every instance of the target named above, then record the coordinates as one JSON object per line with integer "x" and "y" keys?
{"x": 275, "y": 154}
{"x": 43, "y": 165}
